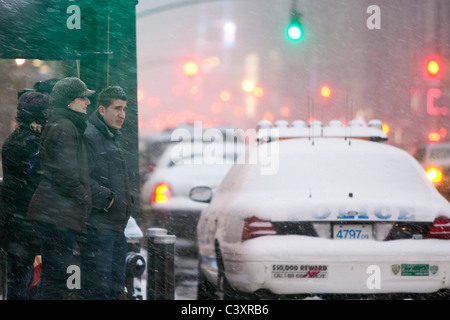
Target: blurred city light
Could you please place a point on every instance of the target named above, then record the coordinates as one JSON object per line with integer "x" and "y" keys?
{"x": 190, "y": 68}
{"x": 434, "y": 174}
{"x": 325, "y": 92}
{"x": 225, "y": 95}
{"x": 433, "y": 67}
{"x": 434, "y": 136}
{"x": 248, "y": 85}
{"x": 294, "y": 32}
{"x": 268, "y": 116}
{"x": 20, "y": 62}
{"x": 211, "y": 62}
{"x": 229, "y": 33}
{"x": 140, "y": 95}
{"x": 258, "y": 92}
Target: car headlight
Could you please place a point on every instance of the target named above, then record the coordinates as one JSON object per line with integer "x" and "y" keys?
{"x": 434, "y": 174}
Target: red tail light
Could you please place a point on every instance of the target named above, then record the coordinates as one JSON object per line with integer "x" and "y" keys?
{"x": 161, "y": 193}
{"x": 255, "y": 227}
{"x": 440, "y": 228}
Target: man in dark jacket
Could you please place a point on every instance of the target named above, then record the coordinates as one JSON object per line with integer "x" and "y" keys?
{"x": 104, "y": 254}
{"x": 19, "y": 184}
{"x": 62, "y": 201}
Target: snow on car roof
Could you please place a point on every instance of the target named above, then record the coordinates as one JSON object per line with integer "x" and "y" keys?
{"x": 334, "y": 172}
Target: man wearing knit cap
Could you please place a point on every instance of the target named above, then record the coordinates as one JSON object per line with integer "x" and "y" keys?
{"x": 19, "y": 184}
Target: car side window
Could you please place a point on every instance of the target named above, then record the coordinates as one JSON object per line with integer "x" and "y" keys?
{"x": 441, "y": 153}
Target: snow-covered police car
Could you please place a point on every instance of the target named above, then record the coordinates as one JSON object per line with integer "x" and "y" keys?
{"x": 339, "y": 215}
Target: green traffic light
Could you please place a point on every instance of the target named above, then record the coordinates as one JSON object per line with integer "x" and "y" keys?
{"x": 295, "y": 32}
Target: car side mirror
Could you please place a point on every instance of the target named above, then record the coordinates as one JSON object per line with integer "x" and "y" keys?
{"x": 201, "y": 194}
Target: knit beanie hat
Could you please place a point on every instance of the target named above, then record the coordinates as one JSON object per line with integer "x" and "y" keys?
{"x": 33, "y": 106}
{"x": 68, "y": 89}
{"x": 45, "y": 86}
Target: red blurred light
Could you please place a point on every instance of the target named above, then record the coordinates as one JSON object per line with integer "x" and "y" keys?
{"x": 190, "y": 68}
{"x": 161, "y": 193}
{"x": 432, "y": 109}
{"x": 433, "y": 67}
{"x": 325, "y": 92}
{"x": 268, "y": 116}
{"x": 285, "y": 111}
{"x": 434, "y": 136}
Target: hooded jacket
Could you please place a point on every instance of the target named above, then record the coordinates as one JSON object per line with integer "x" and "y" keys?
{"x": 109, "y": 176}
{"x": 18, "y": 183}
{"x": 63, "y": 197}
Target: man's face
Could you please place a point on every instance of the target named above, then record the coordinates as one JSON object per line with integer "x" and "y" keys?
{"x": 114, "y": 114}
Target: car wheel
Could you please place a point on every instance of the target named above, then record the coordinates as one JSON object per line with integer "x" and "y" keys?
{"x": 205, "y": 289}
{"x": 229, "y": 293}
{"x": 443, "y": 294}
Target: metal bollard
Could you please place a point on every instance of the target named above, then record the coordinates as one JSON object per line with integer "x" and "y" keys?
{"x": 160, "y": 264}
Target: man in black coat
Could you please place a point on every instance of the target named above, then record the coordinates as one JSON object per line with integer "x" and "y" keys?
{"x": 62, "y": 201}
{"x": 20, "y": 179}
{"x": 104, "y": 254}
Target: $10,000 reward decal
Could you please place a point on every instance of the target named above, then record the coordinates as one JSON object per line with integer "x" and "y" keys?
{"x": 292, "y": 271}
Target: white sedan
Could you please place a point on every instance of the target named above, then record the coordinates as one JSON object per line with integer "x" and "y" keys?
{"x": 165, "y": 194}
{"x": 340, "y": 216}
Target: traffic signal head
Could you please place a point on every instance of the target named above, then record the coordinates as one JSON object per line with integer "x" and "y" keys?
{"x": 433, "y": 67}
{"x": 295, "y": 30}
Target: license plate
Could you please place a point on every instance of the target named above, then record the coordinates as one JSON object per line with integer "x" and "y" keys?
{"x": 352, "y": 232}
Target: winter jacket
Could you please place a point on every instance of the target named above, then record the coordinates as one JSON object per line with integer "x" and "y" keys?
{"x": 19, "y": 180}
{"x": 18, "y": 185}
{"x": 63, "y": 197}
{"x": 109, "y": 176}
